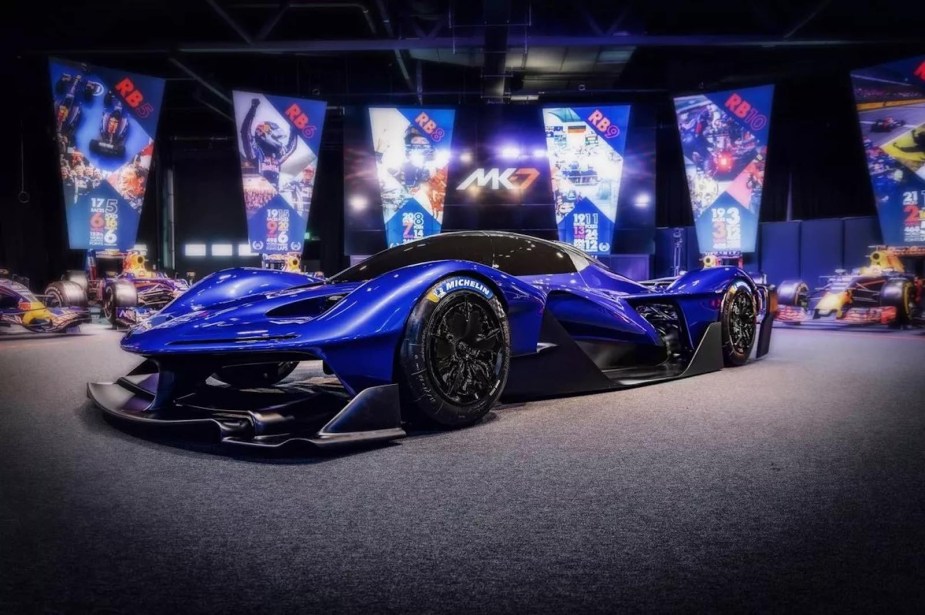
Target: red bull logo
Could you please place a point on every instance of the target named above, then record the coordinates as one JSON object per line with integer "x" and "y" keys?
{"x": 134, "y": 97}
{"x": 603, "y": 124}
{"x": 429, "y": 126}
{"x": 300, "y": 120}
{"x": 745, "y": 111}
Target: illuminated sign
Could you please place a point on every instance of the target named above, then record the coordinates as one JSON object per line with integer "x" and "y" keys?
{"x": 498, "y": 179}
{"x": 278, "y": 142}
{"x": 585, "y": 147}
{"x": 890, "y": 101}
{"x": 105, "y": 122}
{"x": 412, "y": 149}
{"x": 724, "y": 138}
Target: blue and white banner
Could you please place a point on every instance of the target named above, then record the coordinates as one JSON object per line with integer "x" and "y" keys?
{"x": 585, "y": 147}
{"x": 890, "y": 101}
{"x": 412, "y": 148}
{"x": 105, "y": 123}
{"x": 278, "y": 142}
{"x": 724, "y": 136}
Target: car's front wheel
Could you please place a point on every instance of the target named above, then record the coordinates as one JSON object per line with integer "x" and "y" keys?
{"x": 454, "y": 360}
{"x": 739, "y": 318}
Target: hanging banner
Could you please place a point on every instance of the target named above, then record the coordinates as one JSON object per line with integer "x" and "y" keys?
{"x": 890, "y": 101}
{"x": 585, "y": 147}
{"x": 724, "y": 137}
{"x": 278, "y": 142}
{"x": 105, "y": 123}
{"x": 412, "y": 148}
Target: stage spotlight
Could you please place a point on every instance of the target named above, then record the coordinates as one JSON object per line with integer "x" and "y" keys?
{"x": 510, "y": 152}
{"x": 465, "y": 157}
{"x": 539, "y": 153}
{"x": 358, "y": 202}
{"x": 643, "y": 199}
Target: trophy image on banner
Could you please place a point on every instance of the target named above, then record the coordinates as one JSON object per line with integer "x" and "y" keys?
{"x": 412, "y": 148}
{"x": 278, "y": 141}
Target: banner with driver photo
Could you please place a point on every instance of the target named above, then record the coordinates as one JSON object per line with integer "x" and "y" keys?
{"x": 278, "y": 142}
{"x": 412, "y": 148}
{"x": 105, "y": 123}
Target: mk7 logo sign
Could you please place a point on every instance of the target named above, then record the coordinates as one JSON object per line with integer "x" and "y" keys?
{"x": 501, "y": 179}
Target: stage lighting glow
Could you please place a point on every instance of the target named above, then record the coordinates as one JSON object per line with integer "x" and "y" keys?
{"x": 539, "y": 153}
{"x": 194, "y": 249}
{"x": 244, "y": 249}
{"x": 510, "y": 152}
{"x": 222, "y": 249}
{"x": 643, "y": 199}
{"x": 358, "y": 202}
{"x": 442, "y": 157}
{"x": 465, "y": 157}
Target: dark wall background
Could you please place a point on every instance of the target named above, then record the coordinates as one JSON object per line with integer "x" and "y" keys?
{"x": 816, "y": 168}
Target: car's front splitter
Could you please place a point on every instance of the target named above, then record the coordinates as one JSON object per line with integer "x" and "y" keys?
{"x": 259, "y": 418}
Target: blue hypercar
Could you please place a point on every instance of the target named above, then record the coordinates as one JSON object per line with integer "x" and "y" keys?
{"x": 434, "y": 331}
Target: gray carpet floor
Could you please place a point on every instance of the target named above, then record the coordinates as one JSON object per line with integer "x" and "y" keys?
{"x": 794, "y": 483}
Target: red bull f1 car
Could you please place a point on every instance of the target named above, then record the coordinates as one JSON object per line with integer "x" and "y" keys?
{"x": 124, "y": 289}
{"x": 880, "y": 293}
{"x": 432, "y": 332}
{"x": 21, "y": 310}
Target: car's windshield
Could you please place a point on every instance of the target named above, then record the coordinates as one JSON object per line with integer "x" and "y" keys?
{"x": 474, "y": 247}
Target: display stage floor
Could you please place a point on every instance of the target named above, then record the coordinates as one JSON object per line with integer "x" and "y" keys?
{"x": 795, "y": 482}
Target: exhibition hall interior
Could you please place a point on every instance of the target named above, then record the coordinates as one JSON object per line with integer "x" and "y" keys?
{"x": 504, "y": 306}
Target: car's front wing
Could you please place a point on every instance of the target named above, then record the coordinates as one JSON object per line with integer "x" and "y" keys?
{"x": 317, "y": 415}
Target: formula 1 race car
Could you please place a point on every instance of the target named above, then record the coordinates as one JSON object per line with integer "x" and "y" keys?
{"x": 431, "y": 332}
{"x": 123, "y": 288}
{"x": 880, "y": 293}
{"x": 887, "y": 124}
{"x": 68, "y": 113}
{"x": 21, "y": 310}
{"x": 114, "y": 127}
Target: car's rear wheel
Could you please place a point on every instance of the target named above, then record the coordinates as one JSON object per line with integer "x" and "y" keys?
{"x": 454, "y": 360}
{"x": 255, "y": 375}
{"x": 899, "y": 294}
{"x": 739, "y": 318}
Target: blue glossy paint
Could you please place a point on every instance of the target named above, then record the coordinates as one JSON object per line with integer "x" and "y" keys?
{"x": 357, "y": 326}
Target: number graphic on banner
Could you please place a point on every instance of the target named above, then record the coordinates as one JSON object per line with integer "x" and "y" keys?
{"x": 912, "y": 214}
{"x": 96, "y": 221}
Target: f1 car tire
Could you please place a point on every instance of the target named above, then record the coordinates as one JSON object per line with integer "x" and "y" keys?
{"x": 793, "y": 293}
{"x": 739, "y": 317}
{"x": 78, "y": 277}
{"x": 118, "y": 294}
{"x": 256, "y": 375}
{"x": 65, "y": 294}
{"x": 899, "y": 294}
{"x": 453, "y": 362}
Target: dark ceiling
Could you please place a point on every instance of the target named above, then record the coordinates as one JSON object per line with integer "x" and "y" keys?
{"x": 458, "y": 51}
